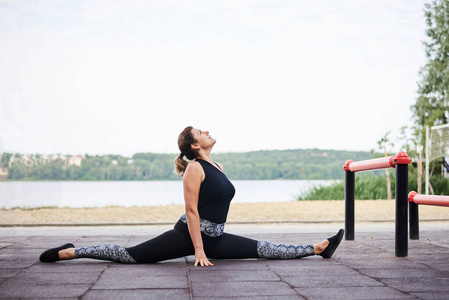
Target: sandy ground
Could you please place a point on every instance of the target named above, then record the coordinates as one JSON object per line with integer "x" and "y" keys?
{"x": 303, "y": 211}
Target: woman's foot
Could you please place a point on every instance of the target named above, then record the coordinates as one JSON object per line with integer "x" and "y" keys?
{"x": 319, "y": 248}
{"x": 332, "y": 244}
{"x": 52, "y": 255}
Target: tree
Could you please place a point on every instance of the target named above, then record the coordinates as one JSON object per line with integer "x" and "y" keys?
{"x": 383, "y": 143}
{"x": 5, "y": 157}
{"x": 413, "y": 148}
{"x": 432, "y": 105}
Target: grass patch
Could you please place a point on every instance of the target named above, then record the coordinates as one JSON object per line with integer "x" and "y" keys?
{"x": 372, "y": 187}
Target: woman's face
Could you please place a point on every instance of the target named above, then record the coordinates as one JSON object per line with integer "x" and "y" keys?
{"x": 203, "y": 138}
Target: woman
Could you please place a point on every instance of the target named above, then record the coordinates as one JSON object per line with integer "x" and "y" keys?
{"x": 200, "y": 231}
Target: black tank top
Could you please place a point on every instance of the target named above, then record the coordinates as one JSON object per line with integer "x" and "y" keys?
{"x": 216, "y": 193}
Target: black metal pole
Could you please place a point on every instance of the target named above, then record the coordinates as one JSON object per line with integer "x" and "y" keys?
{"x": 349, "y": 205}
{"x": 401, "y": 243}
{"x": 414, "y": 220}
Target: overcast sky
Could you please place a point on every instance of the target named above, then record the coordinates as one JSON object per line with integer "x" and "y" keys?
{"x": 121, "y": 77}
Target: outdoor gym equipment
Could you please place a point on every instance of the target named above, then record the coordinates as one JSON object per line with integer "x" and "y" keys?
{"x": 400, "y": 162}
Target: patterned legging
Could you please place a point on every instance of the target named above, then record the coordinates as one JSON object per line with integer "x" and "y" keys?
{"x": 105, "y": 252}
{"x": 176, "y": 243}
{"x": 283, "y": 251}
{"x": 264, "y": 250}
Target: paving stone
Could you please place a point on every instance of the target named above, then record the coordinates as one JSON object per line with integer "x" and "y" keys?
{"x": 13, "y": 257}
{"x": 243, "y": 289}
{"x": 415, "y": 248}
{"x": 352, "y": 293}
{"x": 306, "y": 261}
{"x": 429, "y": 257}
{"x": 174, "y": 269}
{"x": 366, "y": 262}
{"x": 431, "y": 295}
{"x": 11, "y": 264}
{"x": 56, "y": 278}
{"x": 147, "y": 294}
{"x": 40, "y": 246}
{"x": 284, "y": 297}
{"x": 439, "y": 284}
{"x": 364, "y": 268}
{"x": 327, "y": 281}
{"x": 21, "y": 251}
{"x": 355, "y": 246}
{"x": 403, "y": 273}
{"x": 232, "y": 265}
{"x": 358, "y": 254}
{"x": 19, "y": 257}
{"x": 332, "y": 270}
{"x": 124, "y": 281}
{"x": 233, "y": 276}
{"x": 7, "y": 273}
{"x": 14, "y": 242}
{"x": 4, "y": 245}
{"x": 67, "y": 267}
{"x": 23, "y": 290}
{"x": 437, "y": 264}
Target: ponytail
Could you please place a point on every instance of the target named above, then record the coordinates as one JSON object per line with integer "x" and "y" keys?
{"x": 185, "y": 141}
{"x": 180, "y": 165}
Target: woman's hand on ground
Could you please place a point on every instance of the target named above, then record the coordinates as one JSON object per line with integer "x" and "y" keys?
{"x": 201, "y": 259}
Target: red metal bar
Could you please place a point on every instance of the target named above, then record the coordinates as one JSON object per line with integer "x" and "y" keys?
{"x": 371, "y": 164}
{"x": 377, "y": 163}
{"x": 428, "y": 199}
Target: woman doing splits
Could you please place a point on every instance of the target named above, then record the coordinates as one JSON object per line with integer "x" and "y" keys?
{"x": 200, "y": 231}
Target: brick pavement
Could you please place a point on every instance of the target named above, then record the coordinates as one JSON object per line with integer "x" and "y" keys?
{"x": 362, "y": 269}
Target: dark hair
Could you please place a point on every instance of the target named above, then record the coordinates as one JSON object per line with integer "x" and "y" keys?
{"x": 185, "y": 141}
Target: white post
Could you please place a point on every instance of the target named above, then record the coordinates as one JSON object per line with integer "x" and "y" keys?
{"x": 427, "y": 158}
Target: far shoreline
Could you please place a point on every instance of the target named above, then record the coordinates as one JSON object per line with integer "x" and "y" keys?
{"x": 258, "y": 212}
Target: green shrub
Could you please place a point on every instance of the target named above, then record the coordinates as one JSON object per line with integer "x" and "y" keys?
{"x": 372, "y": 187}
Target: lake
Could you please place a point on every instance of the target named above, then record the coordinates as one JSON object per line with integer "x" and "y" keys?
{"x": 78, "y": 194}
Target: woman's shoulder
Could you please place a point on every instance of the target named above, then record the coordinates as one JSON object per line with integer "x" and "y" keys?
{"x": 194, "y": 165}
{"x": 193, "y": 168}
{"x": 194, "y": 171}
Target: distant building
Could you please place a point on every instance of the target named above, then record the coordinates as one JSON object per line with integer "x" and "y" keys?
{"x": 76, "y": 160}
{"x": 322, "y": 154}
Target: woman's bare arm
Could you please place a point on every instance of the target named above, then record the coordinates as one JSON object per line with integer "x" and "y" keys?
{"x": 192, "y": 179}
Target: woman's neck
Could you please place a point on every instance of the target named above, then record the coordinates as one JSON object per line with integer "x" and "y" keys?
{"x": 205, "y": 156}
